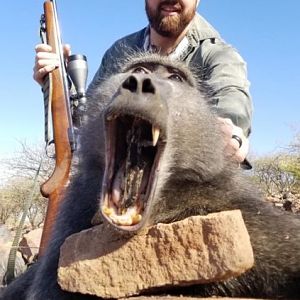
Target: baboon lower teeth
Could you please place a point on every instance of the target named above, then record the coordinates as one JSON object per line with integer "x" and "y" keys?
{"x": 127, "y": 218}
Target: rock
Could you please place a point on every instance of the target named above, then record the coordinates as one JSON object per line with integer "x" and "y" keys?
{"x": 182, "y": 298}
{"x": 200, "y": 249}
{"x": 29, "y": 245}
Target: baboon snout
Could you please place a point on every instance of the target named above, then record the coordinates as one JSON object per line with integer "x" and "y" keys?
{"x": 136, "y": 84}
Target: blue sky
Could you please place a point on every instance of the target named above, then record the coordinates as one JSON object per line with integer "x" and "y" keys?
{"x": 265, "y": 32}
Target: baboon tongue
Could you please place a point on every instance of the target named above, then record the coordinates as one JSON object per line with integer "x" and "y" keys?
{"x": 122, "y": 214}
{"x": 116, "y": 188}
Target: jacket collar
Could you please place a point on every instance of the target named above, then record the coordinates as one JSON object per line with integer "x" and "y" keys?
{"x": 201, "y": 30}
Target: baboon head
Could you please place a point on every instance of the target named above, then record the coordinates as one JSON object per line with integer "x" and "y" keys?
{"x": 158, "y": 130}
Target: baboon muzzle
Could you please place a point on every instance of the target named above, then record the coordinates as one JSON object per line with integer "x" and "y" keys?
{"x": 134, "y": 144}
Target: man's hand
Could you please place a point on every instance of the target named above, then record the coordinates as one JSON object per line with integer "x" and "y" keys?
{"x": 46, "y": 61}
{"x": 237, "y": 145}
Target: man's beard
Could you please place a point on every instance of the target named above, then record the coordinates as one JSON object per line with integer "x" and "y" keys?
{"x": 169, "y": 26}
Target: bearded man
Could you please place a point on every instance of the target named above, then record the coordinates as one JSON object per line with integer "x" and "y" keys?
{"x": 177, "y": 30}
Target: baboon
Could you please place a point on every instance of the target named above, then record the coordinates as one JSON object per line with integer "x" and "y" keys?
{"x": 152, "y": 151}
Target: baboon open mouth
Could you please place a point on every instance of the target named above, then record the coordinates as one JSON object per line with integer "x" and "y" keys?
{"x": 133, "y": 151}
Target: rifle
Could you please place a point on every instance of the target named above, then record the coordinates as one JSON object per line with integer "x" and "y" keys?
{"x": 67, "y": 111}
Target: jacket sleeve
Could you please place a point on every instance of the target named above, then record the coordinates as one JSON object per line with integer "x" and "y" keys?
{"x": 226, "y": 74}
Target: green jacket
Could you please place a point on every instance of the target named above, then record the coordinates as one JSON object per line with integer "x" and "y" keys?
{"x": 224, "y": 69}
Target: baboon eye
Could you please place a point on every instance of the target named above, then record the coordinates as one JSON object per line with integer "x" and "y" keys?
{"x": 176, "y": 77}
{"x": 140, "y": 70}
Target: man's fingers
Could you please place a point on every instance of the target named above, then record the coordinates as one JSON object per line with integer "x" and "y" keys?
{"x": 39, "y": 74}
{"x": 41, "y": 63}
{"x": 226, "y": 126}
{"x": 46, "y": 61}
{"x": 67, "y": 50}
{"x": 242, "y": 152}
{"x": 234, "y": 144}
{"x": 43, "y": 48}
{"x": 237, "y": 145}
{"x": 47, "y": 55}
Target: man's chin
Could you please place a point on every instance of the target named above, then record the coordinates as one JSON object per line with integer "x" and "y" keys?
{"x": 170, "y": 25}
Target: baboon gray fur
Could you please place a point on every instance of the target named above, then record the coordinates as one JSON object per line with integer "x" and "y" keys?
{"x": 195, "y": 178}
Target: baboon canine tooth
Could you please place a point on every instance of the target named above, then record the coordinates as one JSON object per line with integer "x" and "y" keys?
{"x": 155, "y": 135}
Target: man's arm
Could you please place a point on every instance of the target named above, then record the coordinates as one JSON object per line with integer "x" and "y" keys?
{"x": 226, "y": 74}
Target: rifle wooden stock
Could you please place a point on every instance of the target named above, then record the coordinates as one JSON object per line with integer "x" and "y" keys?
{"x": 53, "y": 188}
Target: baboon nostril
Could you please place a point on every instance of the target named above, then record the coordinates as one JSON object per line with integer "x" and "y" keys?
{"x": 130, "y": 84}
{"x": 148, "y": 86}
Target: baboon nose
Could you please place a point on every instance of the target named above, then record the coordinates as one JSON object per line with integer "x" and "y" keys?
{"x": 132, "y": 83}
{"x": 148, "y": 86}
